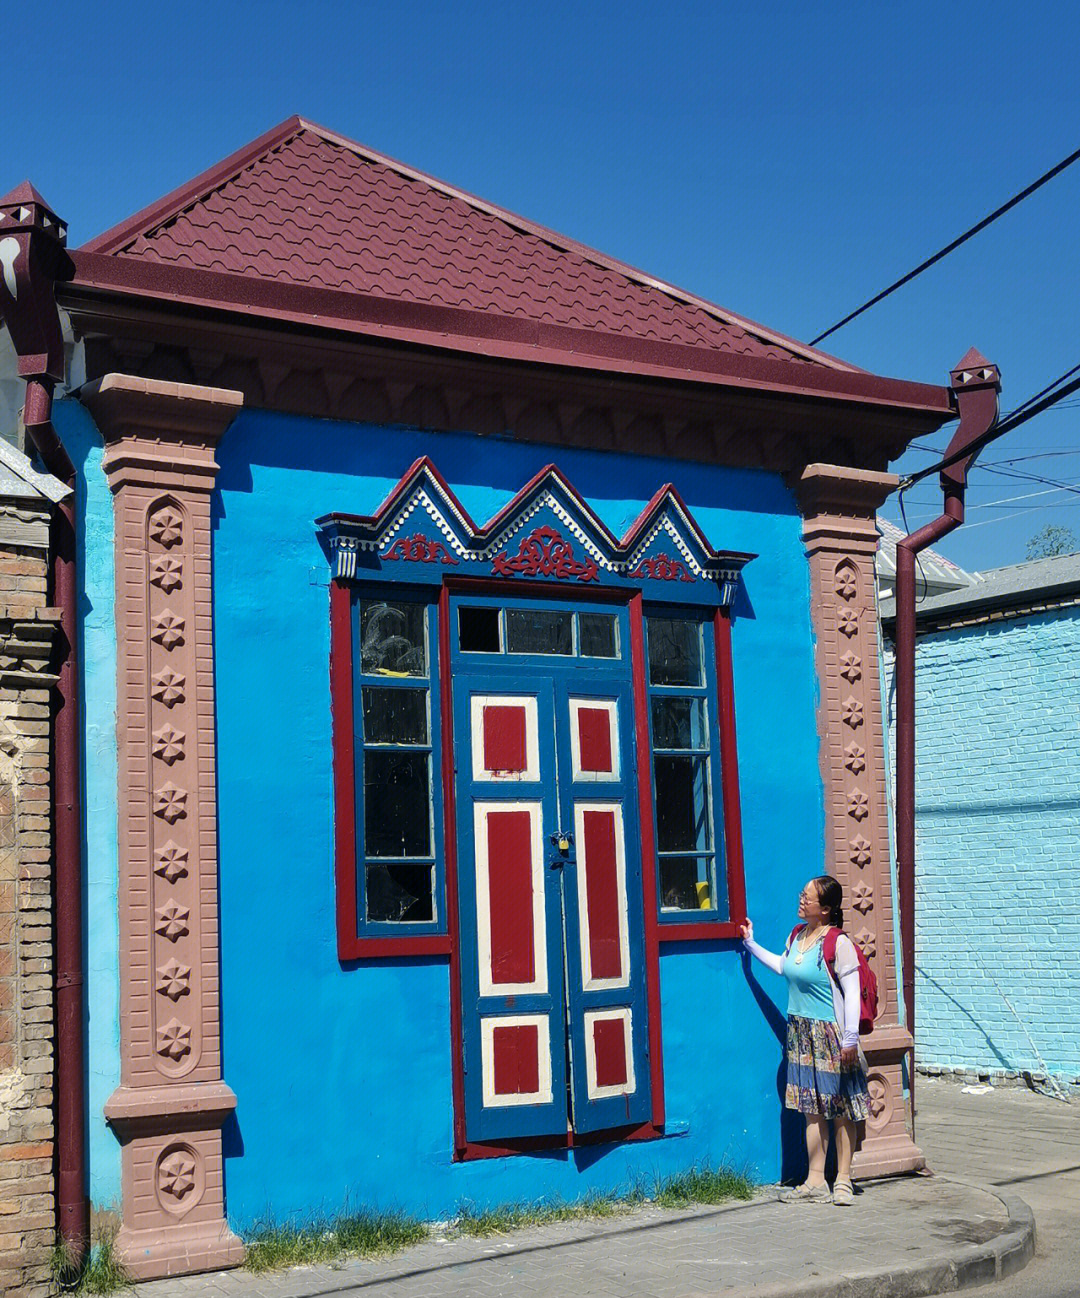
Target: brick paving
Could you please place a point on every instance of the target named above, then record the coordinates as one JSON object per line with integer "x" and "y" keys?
{"x": 654, "y": 1254}
{"x": 1022, "y": 1143}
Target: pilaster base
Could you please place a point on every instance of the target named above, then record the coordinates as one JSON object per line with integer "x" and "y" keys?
{"x": 173, "y": 1179}
{"x": 177, "y": 1250}
{"x": 888, "y": 1148}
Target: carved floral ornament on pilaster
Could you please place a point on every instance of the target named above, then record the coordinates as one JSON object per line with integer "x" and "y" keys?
{"x": 169, "y": 1108}
{"x": 840, "y": 536}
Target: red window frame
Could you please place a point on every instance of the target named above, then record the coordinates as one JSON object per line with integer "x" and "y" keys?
{"x": 353, "y": 947}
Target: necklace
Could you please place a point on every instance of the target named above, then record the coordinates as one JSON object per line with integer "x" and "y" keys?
{"x": 802, "y": 946}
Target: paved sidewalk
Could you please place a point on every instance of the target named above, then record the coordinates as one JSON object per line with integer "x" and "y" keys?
{"x": 918, "y": 1230}
{"x": 1018, "y": 1143}
{"x": 906, "y": 1236}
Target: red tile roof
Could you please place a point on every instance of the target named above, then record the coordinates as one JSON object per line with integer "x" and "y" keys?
{"x": 307, "y": 208}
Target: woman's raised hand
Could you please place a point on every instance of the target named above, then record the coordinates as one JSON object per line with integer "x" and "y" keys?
{"x": 746, "y": 930}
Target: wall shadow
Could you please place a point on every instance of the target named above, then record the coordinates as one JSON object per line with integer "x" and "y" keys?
{"x": 792, "y": 1128}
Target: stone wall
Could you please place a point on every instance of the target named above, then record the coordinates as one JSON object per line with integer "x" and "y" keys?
{"x": 27, "y": 632}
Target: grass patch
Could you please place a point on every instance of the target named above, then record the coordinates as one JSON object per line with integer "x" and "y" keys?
{"x": 696, "y": 1185}
{"x": 500, "y": 1221}
{"x": 702, "y": 1185}
{"x": 272, "y": 1247}
{"x": 102, "y": 1274}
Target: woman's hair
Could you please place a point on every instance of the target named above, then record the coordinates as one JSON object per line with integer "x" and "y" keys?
{"x": 831, "y": 898}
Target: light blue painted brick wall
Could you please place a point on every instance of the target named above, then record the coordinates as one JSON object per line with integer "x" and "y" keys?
{"x": 997, "y": 935}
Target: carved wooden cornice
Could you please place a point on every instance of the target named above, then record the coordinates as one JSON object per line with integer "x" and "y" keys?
{"x": 328, "y": 376}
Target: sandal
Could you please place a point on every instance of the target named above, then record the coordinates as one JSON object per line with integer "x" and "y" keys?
{"x": 806, "y": 1194}
{"x": 843, "y": 1194}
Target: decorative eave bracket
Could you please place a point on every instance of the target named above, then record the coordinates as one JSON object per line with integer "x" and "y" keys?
{"x": 422, "y": 532}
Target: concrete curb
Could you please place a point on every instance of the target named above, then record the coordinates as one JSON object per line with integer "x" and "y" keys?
{"x": 962, "y": 1268}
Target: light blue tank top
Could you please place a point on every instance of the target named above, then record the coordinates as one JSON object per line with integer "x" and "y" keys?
{"x": 810, "y": 985}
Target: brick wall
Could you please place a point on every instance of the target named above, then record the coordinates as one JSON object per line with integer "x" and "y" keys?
{"x": 27, "y": 1215}
{"x": 997, "y": 941}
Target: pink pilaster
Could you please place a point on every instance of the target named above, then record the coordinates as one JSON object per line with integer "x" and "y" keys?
{"x": 840, "y": 534}
{"x": 169, "y": 1108}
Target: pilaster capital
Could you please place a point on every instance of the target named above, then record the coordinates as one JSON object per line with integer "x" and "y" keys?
{"x": 160, "y": 434}
{"x": 839, "y": 506}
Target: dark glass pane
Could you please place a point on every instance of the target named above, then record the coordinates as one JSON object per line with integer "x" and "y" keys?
{"x": 682, "y": 804}
{"x": 397, "y": 798}
{"x": 530, "y": 631}
{"x": 393, "y": 639}
{"x": 597, "y": 635}
{"x": 674, "y": 651}
{"x": 685, "y": 883}
{"x": 395, "y": 716}
{"x": 478, "y": 630}
{"x": 401, "y": 893}
{"x": 679, "y": 723}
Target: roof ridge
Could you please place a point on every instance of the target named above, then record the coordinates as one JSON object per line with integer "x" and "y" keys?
{"x": 171, "y": 207}
{"x": 565, "y": 244}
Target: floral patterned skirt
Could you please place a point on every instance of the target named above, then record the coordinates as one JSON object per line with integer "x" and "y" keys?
{"x": 816, "y": 1080}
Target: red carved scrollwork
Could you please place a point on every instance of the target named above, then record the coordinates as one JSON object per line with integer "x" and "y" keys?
{"x": 420, "y": 549}
{"x": 662, "y": 568}
{"x": 545, "y": 553}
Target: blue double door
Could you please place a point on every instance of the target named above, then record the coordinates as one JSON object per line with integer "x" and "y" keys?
{"x": 553, "y": 987}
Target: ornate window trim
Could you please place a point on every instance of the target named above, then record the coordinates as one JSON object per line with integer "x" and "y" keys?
{"x": 546, "y": 541}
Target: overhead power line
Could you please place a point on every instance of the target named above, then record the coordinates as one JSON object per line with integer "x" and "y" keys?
{"x": 951, "y": 247}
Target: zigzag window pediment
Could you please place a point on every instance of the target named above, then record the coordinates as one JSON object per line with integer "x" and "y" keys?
{"x": 547, "y": 531}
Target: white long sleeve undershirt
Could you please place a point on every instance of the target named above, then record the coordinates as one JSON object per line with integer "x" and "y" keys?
{"x": 846, "y": 1001}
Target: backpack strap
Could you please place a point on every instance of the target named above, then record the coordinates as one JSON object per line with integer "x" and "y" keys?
{"x": 792, "y": 936}
{"x": 828, "y": 951}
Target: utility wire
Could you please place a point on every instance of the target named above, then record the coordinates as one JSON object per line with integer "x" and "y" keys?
{"x": 987, "y": 220}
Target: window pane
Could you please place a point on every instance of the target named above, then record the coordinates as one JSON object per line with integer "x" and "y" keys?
{"x": 478, "y": 630}
{"x": 674, "y": 651}
{"x": 683, "y": 823}
{"x": 401, "y": 893}
{"x": 530, "y": 631}
{"x": 685, "y": 883}
{"x": 393, "y": 639}
{"x": 679, "y": 723}
{"x": 395, "y": 716}
{"x": 597, "y": 635}
{"x": 397, "y": 818}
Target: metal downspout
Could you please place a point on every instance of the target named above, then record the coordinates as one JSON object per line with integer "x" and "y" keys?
{"x": 976, "y": 384}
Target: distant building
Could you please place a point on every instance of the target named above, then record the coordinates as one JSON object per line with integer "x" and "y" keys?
{"x": 998, "y": 818}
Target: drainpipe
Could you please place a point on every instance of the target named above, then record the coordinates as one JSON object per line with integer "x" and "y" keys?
{"x": 32, "y": 259}
{"x": 975, "y": 384}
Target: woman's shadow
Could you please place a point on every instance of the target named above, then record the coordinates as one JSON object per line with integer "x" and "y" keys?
{"x": 792, "y": 1127}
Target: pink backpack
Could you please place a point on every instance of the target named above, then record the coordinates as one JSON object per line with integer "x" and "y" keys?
{"x": 868, "y": 990}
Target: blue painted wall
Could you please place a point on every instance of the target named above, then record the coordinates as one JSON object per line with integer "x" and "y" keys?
{"x": 997, "y": 939}
{"x": 98, "y": 628}
{"x": 343, "y": 1075}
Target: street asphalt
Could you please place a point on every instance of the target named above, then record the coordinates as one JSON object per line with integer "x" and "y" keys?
{"x": 993, "y": 1155}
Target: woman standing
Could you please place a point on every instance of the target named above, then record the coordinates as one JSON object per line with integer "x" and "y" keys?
{"x": 825, "y": 1079}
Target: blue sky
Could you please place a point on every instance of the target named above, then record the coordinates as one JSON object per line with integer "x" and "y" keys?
{"x": 784, "y": 160}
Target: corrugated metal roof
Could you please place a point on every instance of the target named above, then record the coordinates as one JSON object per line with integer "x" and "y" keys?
{"x": 935, "y": 571}
{"x": 19, "y": 478}
{"x": 306, "y": 207}
{"x": 1017, "y": 585}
